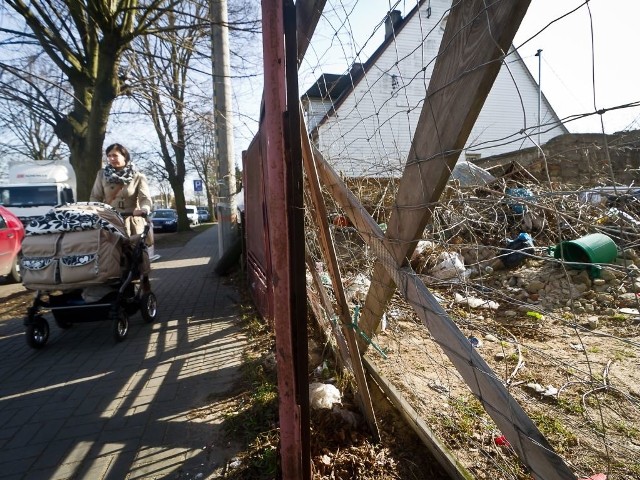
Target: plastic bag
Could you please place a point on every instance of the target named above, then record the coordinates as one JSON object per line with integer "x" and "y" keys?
{"x": 323, "y": 395}
{"x": 517, "y": 250}
{"x": 450, "y": 265}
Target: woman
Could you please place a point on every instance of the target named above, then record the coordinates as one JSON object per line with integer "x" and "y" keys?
{"x": 120, "y": 185}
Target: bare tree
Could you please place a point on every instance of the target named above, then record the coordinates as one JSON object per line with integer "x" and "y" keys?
{"x": 27, "y": 133}
{"x": 202, "y": 156}
{"x": 171, "y": 71}
{"x": 85, "y": 42}
{"x": 160, "y": 67}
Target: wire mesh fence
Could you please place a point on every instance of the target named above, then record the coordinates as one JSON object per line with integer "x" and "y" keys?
{"x": 535, "y": 270}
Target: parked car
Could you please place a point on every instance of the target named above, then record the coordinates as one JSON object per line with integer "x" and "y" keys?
{"x": 203, "y": 214}
{"x": 11, "y": 235}
{"x": 164, "y": 220}
{"x": 192, "y": 214}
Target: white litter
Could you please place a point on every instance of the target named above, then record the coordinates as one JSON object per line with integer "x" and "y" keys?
{"x": 357, "y": 288}
{"x": 536, "y": 387}
{"x": 475, "y": 302}
{"x": 323, "y": 395}
{"x": 450, "y": 265}
{"x": 548, "y": 391}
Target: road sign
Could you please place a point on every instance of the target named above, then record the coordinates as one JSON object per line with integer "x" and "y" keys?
{"x": 197, "y": 185}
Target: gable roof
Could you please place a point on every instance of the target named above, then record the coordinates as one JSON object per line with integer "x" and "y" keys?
{"x": 342, "y": 84}
{"x": 337, "y": 87}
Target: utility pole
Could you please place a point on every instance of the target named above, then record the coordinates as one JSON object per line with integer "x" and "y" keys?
{"x": 223, "y": 120}
{"x": 539, "y": 55}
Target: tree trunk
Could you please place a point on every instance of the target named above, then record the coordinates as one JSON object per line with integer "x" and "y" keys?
{"x": 85, "y": 127}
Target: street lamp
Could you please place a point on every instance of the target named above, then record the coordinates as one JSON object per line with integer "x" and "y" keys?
{"x": 539, "y": 55}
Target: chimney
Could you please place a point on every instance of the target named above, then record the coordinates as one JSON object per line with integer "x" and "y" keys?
{"x": 392, "y": 20}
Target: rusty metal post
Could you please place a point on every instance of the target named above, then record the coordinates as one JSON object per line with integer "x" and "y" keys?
{"x": 295, "y": 204}
{"x": 279, "y": 224}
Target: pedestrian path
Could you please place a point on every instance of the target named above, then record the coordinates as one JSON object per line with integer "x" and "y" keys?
{"x": 146, "y": 408}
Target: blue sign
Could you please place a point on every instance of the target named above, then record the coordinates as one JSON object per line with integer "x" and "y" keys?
{"x": 197, "y": 185}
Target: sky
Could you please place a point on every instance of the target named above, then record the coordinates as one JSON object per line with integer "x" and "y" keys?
{"x": 581, "y": 72}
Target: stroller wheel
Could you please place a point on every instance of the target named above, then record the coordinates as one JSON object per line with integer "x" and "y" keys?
{"x": 61, "y": 320}
{"x": 37, "y": 333}
{"x": 120, "y": 324}
{"x": 149, "y": 307}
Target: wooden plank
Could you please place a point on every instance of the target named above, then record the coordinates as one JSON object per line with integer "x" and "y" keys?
{"x": 319, "y": 211}
{"x": 477, "y": 37}
{"x": 527, "y": 441}
{"x": 441, "y": 453}
{"x": 308, "y": 13}
{"x": 328, "y": 308}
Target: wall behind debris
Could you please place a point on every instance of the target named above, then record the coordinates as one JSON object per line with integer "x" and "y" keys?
{"x": 579, "y": 159}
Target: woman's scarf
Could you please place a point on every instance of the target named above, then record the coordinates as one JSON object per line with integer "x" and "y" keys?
{"x": 124, "y": 176}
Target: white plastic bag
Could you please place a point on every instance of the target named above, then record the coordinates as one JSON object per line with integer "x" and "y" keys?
{"x": 450, "y": 265}
{"x": 323, "y": 395}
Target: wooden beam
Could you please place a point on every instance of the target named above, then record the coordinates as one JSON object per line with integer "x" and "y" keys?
{"x": 328, "y": 308}
{"x": 477, "y": 37}
{"x": 308, "y": 13}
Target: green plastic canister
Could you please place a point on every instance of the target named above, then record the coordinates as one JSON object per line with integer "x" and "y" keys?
{"x": 593, "y": 248}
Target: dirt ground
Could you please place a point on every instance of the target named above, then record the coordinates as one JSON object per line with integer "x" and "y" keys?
{"x": 571, "y": 364}
{"x": 16, "y": 305}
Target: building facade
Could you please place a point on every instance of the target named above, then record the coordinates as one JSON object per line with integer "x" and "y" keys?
{"x": 364, "y": 121}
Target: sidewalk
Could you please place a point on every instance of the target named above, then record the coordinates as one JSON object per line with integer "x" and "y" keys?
{"x": 146, "y": 408}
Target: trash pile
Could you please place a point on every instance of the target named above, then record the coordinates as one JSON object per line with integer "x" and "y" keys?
{"x": 522, "y": 268}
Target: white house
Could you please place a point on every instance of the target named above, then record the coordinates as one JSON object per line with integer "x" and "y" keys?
{"x": 363, "y": 121}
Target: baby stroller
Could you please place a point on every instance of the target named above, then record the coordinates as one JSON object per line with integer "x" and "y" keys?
{"x": 84, "y": 267}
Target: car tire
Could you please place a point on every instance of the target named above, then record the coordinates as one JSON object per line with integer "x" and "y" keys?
{"x": 15, "y": 275}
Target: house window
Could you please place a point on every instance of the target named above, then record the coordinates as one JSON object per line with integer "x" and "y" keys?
{"x": 472, "y": 157}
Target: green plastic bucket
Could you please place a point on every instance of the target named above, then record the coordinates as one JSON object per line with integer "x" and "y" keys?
{"x": 590, "y": 249}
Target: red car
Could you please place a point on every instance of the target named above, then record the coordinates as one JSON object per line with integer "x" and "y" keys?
{"x": 11, "y": 235}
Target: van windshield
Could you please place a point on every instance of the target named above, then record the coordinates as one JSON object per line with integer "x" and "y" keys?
{"x": 29, "y": 196}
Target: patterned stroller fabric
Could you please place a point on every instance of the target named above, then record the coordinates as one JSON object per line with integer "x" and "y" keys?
{"x": 77, "y": 217}
{"x": 73, "y": 246}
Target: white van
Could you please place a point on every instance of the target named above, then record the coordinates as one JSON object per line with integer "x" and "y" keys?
{"x": 192, "y": 214}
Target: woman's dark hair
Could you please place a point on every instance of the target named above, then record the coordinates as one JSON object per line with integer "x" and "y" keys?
{"x": 120, "y": 149}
